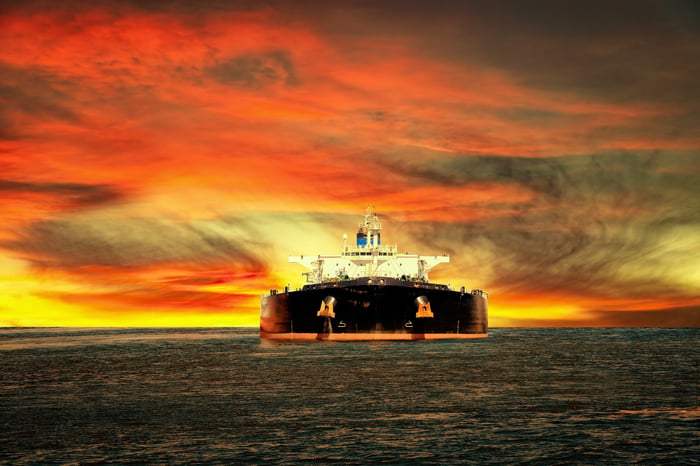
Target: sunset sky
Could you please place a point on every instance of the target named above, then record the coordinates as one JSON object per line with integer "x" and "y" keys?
{"x": 159, "y": 160}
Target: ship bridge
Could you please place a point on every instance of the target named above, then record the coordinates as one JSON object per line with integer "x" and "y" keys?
{"x": 368, "y": 257}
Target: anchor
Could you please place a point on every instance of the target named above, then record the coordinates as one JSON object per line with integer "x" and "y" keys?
{"x": 423, "y": 305}
{"x": 327, "y": 305}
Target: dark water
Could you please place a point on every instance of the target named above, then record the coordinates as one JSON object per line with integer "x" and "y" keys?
{"x": 552, "y": 396}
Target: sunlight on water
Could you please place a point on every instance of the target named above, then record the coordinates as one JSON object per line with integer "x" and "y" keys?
{"x": 14, "y": 339}
{"x": 223, "y": 396}
{"x": 689, "y": 414}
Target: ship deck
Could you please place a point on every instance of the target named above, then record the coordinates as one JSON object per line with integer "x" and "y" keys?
{"x": 389, "y": 281}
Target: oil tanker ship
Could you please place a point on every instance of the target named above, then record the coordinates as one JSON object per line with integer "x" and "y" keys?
{"x": 369, "y": 291}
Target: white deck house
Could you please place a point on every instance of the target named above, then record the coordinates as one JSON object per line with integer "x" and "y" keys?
{"x": 367, "y": 258}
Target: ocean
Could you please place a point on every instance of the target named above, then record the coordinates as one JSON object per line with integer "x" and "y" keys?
{"x": 223, "y": 396}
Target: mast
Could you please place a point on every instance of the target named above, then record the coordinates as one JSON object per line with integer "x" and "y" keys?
{"x": 369, "y": 232}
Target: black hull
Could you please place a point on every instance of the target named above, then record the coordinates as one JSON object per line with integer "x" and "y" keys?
{"x": 374, "y": 308}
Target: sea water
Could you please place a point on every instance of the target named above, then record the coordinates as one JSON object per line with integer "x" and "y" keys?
{"x": 521, "y": 396}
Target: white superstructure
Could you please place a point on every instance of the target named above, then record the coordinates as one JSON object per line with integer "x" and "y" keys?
{"x": 367, "y": 258}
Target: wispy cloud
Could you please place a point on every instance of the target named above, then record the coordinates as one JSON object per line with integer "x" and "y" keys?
{"x": 74, "y": 243}
{"x": 70, "y": 195}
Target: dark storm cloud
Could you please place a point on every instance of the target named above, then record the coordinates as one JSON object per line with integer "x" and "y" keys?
{"x": 71, "y": 194}
{"x": 134, "y": 243}
{"x": 621, "y": 51}
{"x": 618, "y": 51}
{"x": 590, "y": 220}
{"x": 35, "y": 92}
{"x": 256, "y": 70}
{"x": 572, "y": 257}
{"x": 6, "y": 133}
{"x": 640, "y": 179}
{"x": 183, "y": 7}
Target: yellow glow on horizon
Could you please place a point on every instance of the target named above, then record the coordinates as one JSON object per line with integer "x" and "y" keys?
{"x": 28, "y": 301}
{"x": 504, "y": 312}
{"x": 29, "y": 310}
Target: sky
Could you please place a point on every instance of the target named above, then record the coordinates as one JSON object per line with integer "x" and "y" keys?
{"x": 160, "y": 160}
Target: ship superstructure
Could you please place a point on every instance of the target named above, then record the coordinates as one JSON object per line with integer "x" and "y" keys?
{"x": 368, "y": 257}
{"x": 371, "y": 291}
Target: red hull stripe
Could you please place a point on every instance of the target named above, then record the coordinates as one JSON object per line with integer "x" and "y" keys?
{"x": 370, "y": 336}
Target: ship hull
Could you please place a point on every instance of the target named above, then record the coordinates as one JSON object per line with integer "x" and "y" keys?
{"x": 374, "y": 309}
